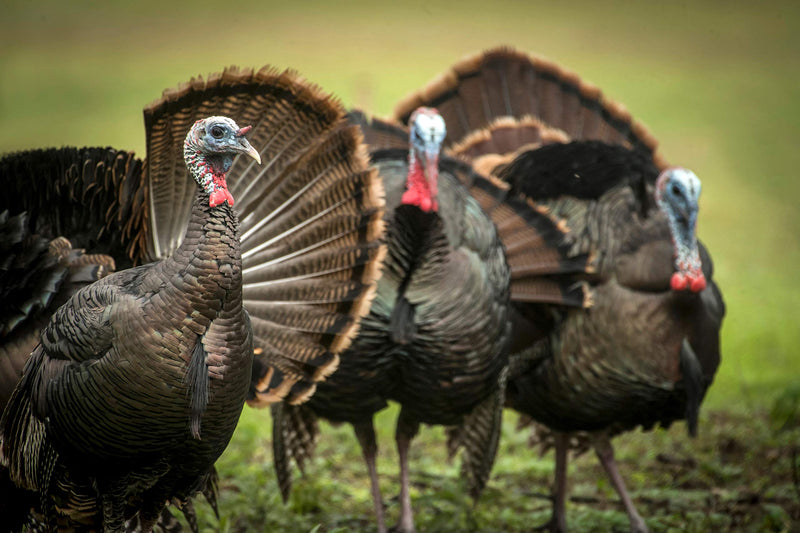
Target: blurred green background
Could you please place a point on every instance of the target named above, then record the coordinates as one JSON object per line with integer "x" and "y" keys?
{"x": 718, "y": 83}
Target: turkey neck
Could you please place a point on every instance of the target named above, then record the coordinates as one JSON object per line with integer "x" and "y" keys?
{"x": 209, "y": 256}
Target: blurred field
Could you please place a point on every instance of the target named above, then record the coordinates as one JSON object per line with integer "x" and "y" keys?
{"x": 718, "y": 83}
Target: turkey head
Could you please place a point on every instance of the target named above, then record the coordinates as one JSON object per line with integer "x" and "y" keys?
{"x": 209, "y": 150}
{"x": 426, "y": 134}
{"x": 677, "y": 194}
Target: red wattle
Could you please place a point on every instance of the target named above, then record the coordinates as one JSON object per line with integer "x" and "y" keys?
{"x": 219, "y": 196}
{"x": 425, "y": 204}
{"x": 698, "y": 283}
{"x": 417, "y": 198}
{"x": 678, "y": 282}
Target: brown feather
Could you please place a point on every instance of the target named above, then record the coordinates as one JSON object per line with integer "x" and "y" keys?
{"x": 508, "y": 135}
{"x": 505, "y": 82}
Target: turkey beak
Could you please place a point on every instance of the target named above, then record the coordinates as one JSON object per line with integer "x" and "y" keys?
{"x": 245, "y": 146}
{"x": 252, "y": 152}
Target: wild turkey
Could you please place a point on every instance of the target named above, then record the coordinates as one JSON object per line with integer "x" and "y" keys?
{"x": 310, "y": 230}
{"x": 83, "y": 412}
{"x": 417, "y": 346}
{"x": 641, "y": 346}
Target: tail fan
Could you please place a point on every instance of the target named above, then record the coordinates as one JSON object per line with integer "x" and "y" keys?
{"x": 581, "y": 169}
{"x": 379, "y": 134}
{"x": 310, "y": 216}
{"x": 94, "y": 196}
{"x": 506, "y": 135}
{"x": 491, "y": 149}
{"x": 505, "y": 82}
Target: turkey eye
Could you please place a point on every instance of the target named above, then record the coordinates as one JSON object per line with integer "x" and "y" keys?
{"x": 217, "y": 132}
{"x": 676, "y": 190}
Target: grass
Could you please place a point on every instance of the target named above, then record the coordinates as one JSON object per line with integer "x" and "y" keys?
{"x": 718, "y": 84}
{"x": 736, "y": 476}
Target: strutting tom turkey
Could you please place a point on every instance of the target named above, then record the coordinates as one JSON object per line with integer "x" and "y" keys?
{"x": 434, "y": 339}
{"x": 167, "y": 341}
{"x": 310, "y": 224}
{"x": 616, "y": 312}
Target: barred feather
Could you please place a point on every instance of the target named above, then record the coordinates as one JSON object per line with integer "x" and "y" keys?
{"x": 479, "y": 436}
{"x": 295, "y": 431}
{"x": 505, "y": 82}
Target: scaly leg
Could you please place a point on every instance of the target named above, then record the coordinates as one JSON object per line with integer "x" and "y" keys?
{"x": 406, "y": 430}
{"x": 605, "y": 453}
{"x": 559, "y": 524}
{"x": 365, "y": 432}
{"x": 558, "y": 520}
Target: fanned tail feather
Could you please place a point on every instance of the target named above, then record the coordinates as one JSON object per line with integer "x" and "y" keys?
{"x": 491, "y": 149}
{"x": 311, "y": 216}
{"x": 94, "y": 196}
{"x": 507, "y": 135}
{"x": 379, "y": 134}
{"x": 505, "y": 82}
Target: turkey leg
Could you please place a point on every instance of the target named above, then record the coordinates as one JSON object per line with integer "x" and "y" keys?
{"x": 406, "y": 430}
{"x": 605, "y": 453}
{"x": 365, "y": 432}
